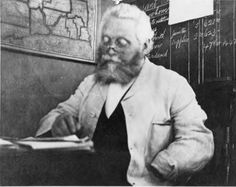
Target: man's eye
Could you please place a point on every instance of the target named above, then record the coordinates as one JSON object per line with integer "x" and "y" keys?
{"x": 105, "y": 39}
{"x": 121, "y": 42}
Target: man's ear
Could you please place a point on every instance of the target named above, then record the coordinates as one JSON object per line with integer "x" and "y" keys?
{"x": 147, "y": 47}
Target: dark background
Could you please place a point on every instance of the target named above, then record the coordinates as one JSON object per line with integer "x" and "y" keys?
{"x": 202, "y": 50}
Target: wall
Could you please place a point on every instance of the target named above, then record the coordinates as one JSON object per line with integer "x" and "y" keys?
{"x": 31, "y": 85}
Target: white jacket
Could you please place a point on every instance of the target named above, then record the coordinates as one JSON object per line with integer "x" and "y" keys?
{"x": 165, "y": 124}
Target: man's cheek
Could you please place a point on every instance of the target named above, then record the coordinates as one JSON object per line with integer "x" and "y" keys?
{"x": 125, "y": 55}
{"x": 102, "y": 49}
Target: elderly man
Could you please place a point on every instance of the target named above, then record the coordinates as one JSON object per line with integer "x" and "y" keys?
{"x": 143, "y": 114}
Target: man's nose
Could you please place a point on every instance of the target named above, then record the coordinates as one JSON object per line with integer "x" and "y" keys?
{"x": 111, "y": 50}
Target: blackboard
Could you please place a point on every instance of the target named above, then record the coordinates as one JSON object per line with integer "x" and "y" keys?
{"x": 202, "y": 49}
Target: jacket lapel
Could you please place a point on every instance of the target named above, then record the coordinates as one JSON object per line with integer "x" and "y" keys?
{"x": 139, "y": 82}
{"x": 103, "y": 91}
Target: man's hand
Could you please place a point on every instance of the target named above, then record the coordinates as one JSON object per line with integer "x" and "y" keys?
{"x": 64, "y": 125}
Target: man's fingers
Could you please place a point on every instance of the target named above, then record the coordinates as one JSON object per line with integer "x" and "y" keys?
{"x": 59, "y": 127}
{"x": 64, "y": 127}
{"x": 74, "y": 125}
{"x": 77, "y": 125}
{"x": 65, "y": 124}
{"x": 71, "y": 124}
{"x": 58, "y": 132}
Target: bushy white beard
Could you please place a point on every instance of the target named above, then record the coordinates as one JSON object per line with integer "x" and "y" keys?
{"x": 113, "y": 69}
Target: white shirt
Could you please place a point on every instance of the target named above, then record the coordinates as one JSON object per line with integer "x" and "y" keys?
{"x": 114, "y": 94}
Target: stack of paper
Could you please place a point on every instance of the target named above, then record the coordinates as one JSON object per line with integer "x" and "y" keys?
{"x": 66, "y": 142}
{"x": 5, "y": 142}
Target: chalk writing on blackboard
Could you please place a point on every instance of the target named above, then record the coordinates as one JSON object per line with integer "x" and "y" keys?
{"x": 200, "y": 49}
{"x": 179, "y": 37}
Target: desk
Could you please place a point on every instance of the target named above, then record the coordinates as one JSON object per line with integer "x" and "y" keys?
{"x": 48, "y": 167}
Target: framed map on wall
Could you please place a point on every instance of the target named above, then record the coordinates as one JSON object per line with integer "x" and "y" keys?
{"x": 61, "y": 28}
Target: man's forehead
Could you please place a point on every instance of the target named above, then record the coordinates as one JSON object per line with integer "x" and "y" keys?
{"x": 113, "y": 19}
{"x": 120, "y": 24}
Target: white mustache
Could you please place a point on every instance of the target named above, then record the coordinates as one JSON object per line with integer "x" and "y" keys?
{"x": 111, "y": 58}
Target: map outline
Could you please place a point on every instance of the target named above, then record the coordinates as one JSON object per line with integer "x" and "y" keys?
{"x": 92, "y": 40}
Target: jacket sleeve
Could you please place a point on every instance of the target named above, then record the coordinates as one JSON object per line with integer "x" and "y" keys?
{"x": 71, "y": 106}
{"x": 193, "y": 144}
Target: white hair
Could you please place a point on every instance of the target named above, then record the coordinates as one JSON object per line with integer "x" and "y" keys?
{"x": 126, "y": 11}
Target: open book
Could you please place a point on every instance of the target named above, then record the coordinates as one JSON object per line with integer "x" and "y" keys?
{"x": 66, "y": 142}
